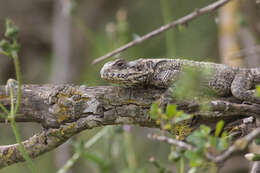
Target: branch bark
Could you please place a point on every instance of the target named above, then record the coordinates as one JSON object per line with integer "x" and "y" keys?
{"x": 65, "y": 110}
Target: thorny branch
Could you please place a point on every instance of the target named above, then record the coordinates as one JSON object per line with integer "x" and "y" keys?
{"x": 181, "y": 21}
{"x": 65, "y": 110}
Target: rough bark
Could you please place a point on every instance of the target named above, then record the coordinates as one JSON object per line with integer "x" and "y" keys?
{"x": 65, "y": 110}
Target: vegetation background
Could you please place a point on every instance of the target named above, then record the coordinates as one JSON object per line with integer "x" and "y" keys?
{"x": 59, "y": 40}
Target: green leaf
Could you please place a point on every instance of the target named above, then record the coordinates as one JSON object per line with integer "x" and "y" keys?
{"x": 179, "y": 113}
{"x": 222, "y": 144}
{"x": 195, "y": 158}
{"x": 224, "y": 135}
{"x": 5, "y": 46}
{"x": 154, "y": 110}
{"x": 174, "y": 156}
{"x": 257, "y": 140}
{"x": 183, "y": 117}
{"x": 219, "y": 127}
{"x": 181, "y": 28}
{"x": 205, "y": 130}
{"x": 258, "y": 90}
{"x": 167, "y": 127}
{"x": 197, "y": 138}
{"x": 171, "y": 110}
{"x": 11, "y": 30}
{"x": 213, "y": 141}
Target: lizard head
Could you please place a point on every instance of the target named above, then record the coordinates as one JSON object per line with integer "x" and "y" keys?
{"x": 132, "y": 73}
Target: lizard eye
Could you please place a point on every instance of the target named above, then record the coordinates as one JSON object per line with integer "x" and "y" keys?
{"x": 120, "y": 64}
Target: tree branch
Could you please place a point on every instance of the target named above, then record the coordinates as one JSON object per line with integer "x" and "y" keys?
{"x": 183, "y": 20}
{"x": 240, "y": 144}
{"x": 65, "y": 110}
{"x": 171, "y": 141}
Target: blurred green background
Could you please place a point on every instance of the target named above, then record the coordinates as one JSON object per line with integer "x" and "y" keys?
{"x": 59, "y": 40}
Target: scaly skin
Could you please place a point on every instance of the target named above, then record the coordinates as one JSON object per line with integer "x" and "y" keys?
{"x": 162, "y": 73}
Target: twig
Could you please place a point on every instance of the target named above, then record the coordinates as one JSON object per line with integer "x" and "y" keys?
{"x": 171, "y": 141}
{"x": 240, "y": 144}
{"x": 182, "y": 20}
{"x": 87, "y": 145}
{"x": 17, "y": 135}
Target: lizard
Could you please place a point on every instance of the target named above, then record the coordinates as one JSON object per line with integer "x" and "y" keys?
{"x": 224, "y": 80}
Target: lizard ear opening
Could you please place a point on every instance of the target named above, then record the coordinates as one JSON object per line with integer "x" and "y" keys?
{"x": 139, "y": 67}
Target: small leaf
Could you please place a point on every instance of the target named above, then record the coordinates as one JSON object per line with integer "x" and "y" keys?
{"x": 181, "y": 28}
{"x": 195, "y": 158}
{"x": 154, "y": 110}
{"x": 179, "y": 113}
{"x": 11, "y": 29}
{"x": 213, "y": 141}
{"x": 171, "y": 110}
{"x": 224, "y": 135}
{"x": 183, "y": 117}
{"x": 167, "y": 127}
{"x": 219, "y": 127}
{"x": 197, "y": 138}
{"x": 5, "y": 46}
{"x": 258, "y": 90}
{"x": 257, "y": 141}
{"x": 205, "y": 130}
{"x": 164, "y": 116}
{"x": 222, "y": 144}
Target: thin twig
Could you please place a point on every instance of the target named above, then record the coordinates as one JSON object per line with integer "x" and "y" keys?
{"x": 182, "y": 20}
{"x": 171, "y": 141}
{"x": 17, "y": 135}
{"x": 240, "y": 144}
{"x": 88, "y": 144}
{"x": 18, "y": 76}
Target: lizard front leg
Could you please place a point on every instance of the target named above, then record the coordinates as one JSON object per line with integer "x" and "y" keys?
{"x": 242, "y": 87}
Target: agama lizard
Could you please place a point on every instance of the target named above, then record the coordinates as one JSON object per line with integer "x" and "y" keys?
{"x": 162, "y": 73}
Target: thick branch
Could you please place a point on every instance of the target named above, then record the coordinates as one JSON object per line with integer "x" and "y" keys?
{"x": 65, "y": 110}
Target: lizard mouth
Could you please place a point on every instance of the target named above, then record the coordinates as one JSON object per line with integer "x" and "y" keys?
{"x": 124, "y": 79}
{"x": 113, "y": 76}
